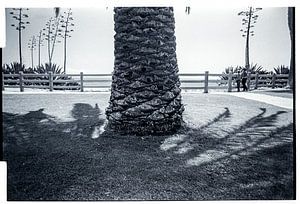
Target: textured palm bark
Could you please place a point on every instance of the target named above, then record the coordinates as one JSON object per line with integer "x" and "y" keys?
{"x": 145, "y": 91}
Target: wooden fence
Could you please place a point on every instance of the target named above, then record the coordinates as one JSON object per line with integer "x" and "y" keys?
{"x": 82, "y": 81}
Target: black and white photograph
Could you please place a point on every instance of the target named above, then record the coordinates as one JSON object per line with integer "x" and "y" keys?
{"x": 149, "y": 102}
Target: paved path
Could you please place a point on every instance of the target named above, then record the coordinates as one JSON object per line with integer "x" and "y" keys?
{"x": 273, "y": 100}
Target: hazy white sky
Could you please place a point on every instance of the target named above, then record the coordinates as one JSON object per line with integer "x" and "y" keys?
{"x": 207, "y": 40}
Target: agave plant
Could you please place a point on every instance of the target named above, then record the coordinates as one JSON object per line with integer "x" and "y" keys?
{"x": 42, "y": 69}
{"x": 232, "y": 69}
{"x": 5, "y": 69}
{"x": 282, "y": 69}
{"x": 255, "y": 68}
{"x": 13, "y": 68}
{"x": 56, "y": 69}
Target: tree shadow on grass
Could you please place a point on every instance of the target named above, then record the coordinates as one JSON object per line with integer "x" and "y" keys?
{"x": 60, "y": 161}
{"x": 249, "y": 136}
{"x": 219, "y": 134}
{"x": 45, "y": 155}
{"x": 251, "y": 161}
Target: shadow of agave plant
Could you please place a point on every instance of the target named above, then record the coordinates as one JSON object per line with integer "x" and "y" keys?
{"x": 42, "y": 151}
{"x": 37, "y": 124}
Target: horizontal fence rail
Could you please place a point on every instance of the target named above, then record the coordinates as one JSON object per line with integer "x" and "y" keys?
{"x": 195, "y": 81}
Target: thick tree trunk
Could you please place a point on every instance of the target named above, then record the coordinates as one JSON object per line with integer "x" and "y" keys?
{"x": 145, "y": 91}
{"x": 291, "y": 22}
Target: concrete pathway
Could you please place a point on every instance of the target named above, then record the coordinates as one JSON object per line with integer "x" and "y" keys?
{"x": 273, "y": 100}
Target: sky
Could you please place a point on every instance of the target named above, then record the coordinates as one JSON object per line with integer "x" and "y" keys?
{"x": 209, "y": 39}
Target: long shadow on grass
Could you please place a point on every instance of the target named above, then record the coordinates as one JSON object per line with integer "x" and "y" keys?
{"x": 46, "y": 155}
{"x": 252, "y": 161}
{"x": 54, "y": 160}
{"x": 217, "y": 138}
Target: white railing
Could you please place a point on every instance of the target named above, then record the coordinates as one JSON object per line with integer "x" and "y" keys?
{"x": 81, "y": 81}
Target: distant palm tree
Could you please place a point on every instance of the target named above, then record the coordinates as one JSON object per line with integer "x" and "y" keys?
{"x": 145, "y": 91}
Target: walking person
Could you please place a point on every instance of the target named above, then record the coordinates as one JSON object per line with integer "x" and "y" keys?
{"x": 244, "y": 80}
{"x": 238, "y": 81}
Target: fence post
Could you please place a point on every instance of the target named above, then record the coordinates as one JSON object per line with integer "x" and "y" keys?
{"x": 21, "y": 81}
{"x": 50, "y": 81}
{"x": 256, "y": 80}
{"x": 230, "y": 81}
{"x": 248, "y": 80}
{"x": 81, "y": 81}
{"x": 206, "y": 82}
{"x": 273, "y": 80}
{"x": 2, "y": 81}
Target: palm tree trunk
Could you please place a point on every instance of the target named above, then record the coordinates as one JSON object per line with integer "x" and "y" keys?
{"x": 291, "y": 22}
{"x": 145, "y": 91}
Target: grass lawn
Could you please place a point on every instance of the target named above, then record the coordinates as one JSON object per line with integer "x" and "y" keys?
{"x": 228, "y": 148}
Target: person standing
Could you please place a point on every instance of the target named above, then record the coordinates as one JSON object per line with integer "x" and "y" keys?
{"x": 244, "y": 80}
{"x": 238, "y": 81}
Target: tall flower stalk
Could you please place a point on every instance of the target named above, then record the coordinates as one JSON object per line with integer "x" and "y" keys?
{"x": 51, "y": 34}
{"x": 39, "y": 44}
{"x": 19, "y": 14}
{"x": 248, "y": 21}
{"x": 66, "y": 29}
{"x": 31, "y": 46}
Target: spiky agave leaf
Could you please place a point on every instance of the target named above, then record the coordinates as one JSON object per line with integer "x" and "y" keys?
{"x": 43, "y": 69}
{"x": 55, "y": 69}
{"x": 282, "y": 69}
{"x": 15, "y": 67}
{"x": 255, "y": 68}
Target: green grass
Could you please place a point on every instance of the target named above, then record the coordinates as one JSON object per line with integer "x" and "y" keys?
{"x": 217, "y": 158}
